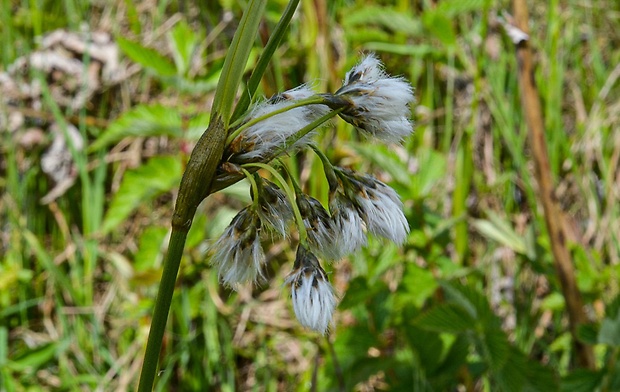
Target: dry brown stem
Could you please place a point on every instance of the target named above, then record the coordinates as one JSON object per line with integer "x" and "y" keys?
{"x": 554, "y": 216}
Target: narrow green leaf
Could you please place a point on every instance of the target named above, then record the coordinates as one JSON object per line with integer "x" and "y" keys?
{"x": 274, "y": 41}
{"x": 419, "y": 284}
{"x": 499, "y": 230}
{"x": 148, "y": 58}
{"x": 236, "y": 59}
{"x": 141, "y": 121}
{"x": 446, "y": 318}
{"x": 34, "y": 358}
{"x": 158, "y": 175}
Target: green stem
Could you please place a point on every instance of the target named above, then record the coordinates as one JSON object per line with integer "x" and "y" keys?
{"x": 195, "y": 186}
{"x": 314, "y": 100}
{"x": 162, "y": 308}
{"x": 253, "y": 185}
{"x": 303, "y": 235}
{"x": 328, "y": 168}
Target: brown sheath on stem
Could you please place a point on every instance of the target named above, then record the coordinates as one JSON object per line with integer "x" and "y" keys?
{"x": 554, "y": 216}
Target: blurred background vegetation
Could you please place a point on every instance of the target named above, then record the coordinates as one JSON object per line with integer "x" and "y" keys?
{"x": 102, "y": 101}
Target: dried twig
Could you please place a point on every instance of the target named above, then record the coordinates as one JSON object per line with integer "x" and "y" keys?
{"x": 554, "y": 216}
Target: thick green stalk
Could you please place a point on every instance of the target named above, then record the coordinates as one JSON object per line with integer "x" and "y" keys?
{"x": 195, "y": 186}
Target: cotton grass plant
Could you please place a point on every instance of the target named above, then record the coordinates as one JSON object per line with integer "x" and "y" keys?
{"x": 238, "y": 144}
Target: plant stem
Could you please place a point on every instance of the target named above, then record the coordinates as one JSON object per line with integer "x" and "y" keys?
{"x": 554, "y": 216}
{"x": 195, "y": 186}
{"x": 162, "y": 308}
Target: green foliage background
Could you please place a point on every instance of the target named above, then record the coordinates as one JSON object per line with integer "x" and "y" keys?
{"x": 471, "y": 302}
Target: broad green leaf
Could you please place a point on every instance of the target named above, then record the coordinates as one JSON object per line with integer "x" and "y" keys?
{"x": 158, "y": 175}
{"x": 431, "y": 169}
{"x": 141, "y": 121}
{"x": 183, "y": 42}
{"x": 357, "y": 293}
{"x": 388, "y": 18}
{"x": 588, "y": 333}
{"x": 453, "y": 361}
{"x": 452, "y": 8}
{"x": 581, "y": 380}
{"x": 150, "y": 248}
{"x": 446, "y": 318}
{"x": 427, "y": 345}
{"x": 404, "y": 50}
{"x": 496, "y": 347}
{"x": 197, "y": 126}
{"x": 440, "y": 26}
{"x": 419, "y": 284}
{"x": 473, "y": 301}
{"x": 147, "y": 57}
{"x": 610, "y": 332}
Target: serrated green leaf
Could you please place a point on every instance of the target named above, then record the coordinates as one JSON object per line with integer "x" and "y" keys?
{"x": 357, "y": 293}
{"x": 158, "y": 175}
{"x": 427, "y": 346}
{"x": 473, "y": 301}
{"x": 446, "y": 318}
{"x": 141, "y": 121}
{"x": 588, "y": 333}
{"x": 183, "y": 42}
{"x": 419, "y": 284}
{"x": 147, "y": 57}
{"x": 610, "y": 332}
{"x": 388, "y": 18}
{"x": 581, "y": 380}
{"x": 496, "y": 348}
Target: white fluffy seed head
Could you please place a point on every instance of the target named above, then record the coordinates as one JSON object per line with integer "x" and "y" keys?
{"x": 350, "y": 236}
{"x": 313, "y": 297}
{"x": 319, "y": 227}
{"x": 274, "y": 208}
{"x": 259, "y": 141}
{"x": 379, "y": 205}
{"x": 238, "y": 254}
{"x": 379, "y": 102}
